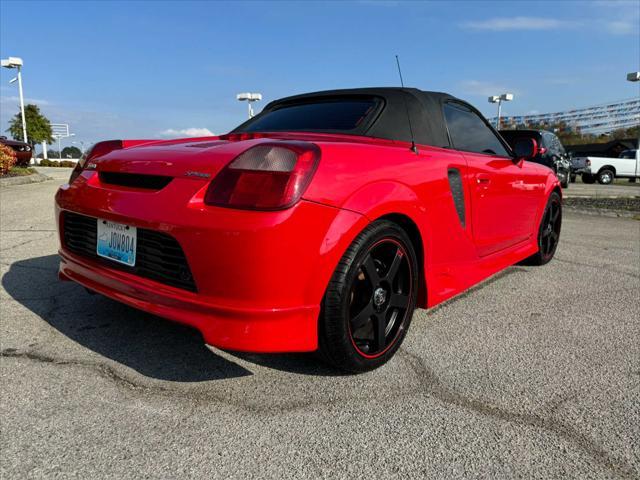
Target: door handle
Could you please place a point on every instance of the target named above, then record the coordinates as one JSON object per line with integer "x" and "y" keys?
{"x": 483, "y": 180}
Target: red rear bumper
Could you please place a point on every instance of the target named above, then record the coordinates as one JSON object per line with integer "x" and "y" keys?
{"x": 260, "y": 276}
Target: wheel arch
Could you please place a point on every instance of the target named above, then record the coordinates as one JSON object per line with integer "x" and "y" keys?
{"x": 411, "y": 229}
{"x": 608, "y": 167}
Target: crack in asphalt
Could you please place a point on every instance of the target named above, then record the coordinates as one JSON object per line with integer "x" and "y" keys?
{"x": 433, "y": 387}
{"x": 110, "y": 373}
{"x": 429, "y": 385}
{"x": 104, "y": 370}
{"x": 26, "y": 242}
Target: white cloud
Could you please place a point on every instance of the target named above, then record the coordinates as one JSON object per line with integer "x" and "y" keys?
{"x": 500, "y": 24}
{"x": 476, "y": 87}
{"x": 622, "y": 27}
{"x": 14, "y": 99}
{"x": 186, "y": 132}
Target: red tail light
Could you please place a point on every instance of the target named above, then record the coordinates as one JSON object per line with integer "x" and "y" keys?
{"x": 265, "y": 177}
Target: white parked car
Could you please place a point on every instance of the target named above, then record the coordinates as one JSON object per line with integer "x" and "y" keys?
{"x": 605, "y": 169}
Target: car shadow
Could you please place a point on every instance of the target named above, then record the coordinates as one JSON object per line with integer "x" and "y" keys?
{"x": 152, "y": 346}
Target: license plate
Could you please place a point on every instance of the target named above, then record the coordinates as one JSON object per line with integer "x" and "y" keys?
{"x": 117, "y": 242}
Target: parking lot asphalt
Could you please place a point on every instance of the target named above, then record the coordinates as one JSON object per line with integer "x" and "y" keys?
{"x": 535, "y": 373}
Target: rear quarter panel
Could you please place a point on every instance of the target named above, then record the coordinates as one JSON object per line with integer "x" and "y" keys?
{"x": 377, "y": 181}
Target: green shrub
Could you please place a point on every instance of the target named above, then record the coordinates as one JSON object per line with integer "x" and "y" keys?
{"x": 56, "y": 163}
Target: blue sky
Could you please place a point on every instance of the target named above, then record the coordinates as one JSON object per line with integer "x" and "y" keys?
{"x": 152, "y": 69}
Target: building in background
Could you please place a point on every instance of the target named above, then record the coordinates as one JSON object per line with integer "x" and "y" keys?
{"x": 597, "y": 119}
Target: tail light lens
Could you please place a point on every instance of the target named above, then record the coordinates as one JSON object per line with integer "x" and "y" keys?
{"x": 265, "y": 177}
{"x": 100, "y": 148}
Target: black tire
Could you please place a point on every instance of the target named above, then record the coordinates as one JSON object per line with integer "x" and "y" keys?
{"x": 573, "y": 177}
{"x": 588, "y": 178}
{"x": 548, "y": 232}
{"x": 606, "y": 176}
{"x": 370, "y": 299}
{"x": 564, "y": 180}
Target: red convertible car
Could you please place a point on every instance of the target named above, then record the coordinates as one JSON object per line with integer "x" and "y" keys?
{"x": 319, "y": 224}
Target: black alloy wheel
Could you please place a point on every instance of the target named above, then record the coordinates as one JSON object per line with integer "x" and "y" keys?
{"x": 380, "y": 296}
{"x": 370, "y": 300}
{"x": 549, "y": 232}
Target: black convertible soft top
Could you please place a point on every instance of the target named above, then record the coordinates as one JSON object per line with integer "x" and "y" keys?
{"x": 389, "y": 120}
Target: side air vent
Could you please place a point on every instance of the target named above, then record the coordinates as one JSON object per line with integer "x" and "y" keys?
{"x": 135, "y": 180}
{"x": 455, "y": 183}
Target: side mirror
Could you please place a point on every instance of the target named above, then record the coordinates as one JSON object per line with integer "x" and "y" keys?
{"x": 525, "y": 149}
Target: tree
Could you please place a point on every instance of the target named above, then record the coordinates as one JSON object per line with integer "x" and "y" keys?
{"x": 51, "y": 154}
{"x": 71, "y": 152}
{"x": 38, "y": 126}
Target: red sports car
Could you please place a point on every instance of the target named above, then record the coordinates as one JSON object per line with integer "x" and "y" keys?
{"x": 319, "y": 224}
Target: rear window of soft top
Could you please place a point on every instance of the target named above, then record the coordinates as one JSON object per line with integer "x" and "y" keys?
{"x": 314, "y": 115}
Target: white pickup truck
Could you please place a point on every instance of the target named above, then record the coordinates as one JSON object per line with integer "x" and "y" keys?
{"x": 605, "y": 169}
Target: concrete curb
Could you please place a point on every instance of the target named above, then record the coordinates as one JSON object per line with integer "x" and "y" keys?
{"x": 568, "y": 195}
{"x": 602, "y": 212}
{"x": 24, "y": 180}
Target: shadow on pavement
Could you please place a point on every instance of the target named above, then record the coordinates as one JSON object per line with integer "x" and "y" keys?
{"x": 148, "y": 344}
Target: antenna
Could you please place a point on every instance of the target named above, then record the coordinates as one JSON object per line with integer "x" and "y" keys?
{"x": 414, "y": 149}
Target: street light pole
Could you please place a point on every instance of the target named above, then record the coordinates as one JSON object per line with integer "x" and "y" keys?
{"x": 15, "y": 62}
{"x": 249, "y": 98}
{"x": 24, "y": 121}
{"x": 506, "y": 97}
{"x": 635, "y": 77}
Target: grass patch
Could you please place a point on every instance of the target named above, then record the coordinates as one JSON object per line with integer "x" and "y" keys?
{"x": 20, "y": 171}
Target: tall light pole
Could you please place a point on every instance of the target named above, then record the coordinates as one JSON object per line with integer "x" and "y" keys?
{"x": 15, "y": 62}
{"x": 505, "y": 97}
{"x": 635, "y": 77}
{"x": 249, "y": 98}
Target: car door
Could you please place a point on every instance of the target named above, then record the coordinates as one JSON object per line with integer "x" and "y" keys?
{"x": 626, "y": 164}
{"x": 503, "y": 196}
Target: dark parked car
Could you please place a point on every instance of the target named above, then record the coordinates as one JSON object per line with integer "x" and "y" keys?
{"x": 23, "y": 150}
{"x": 551, "y": 152}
